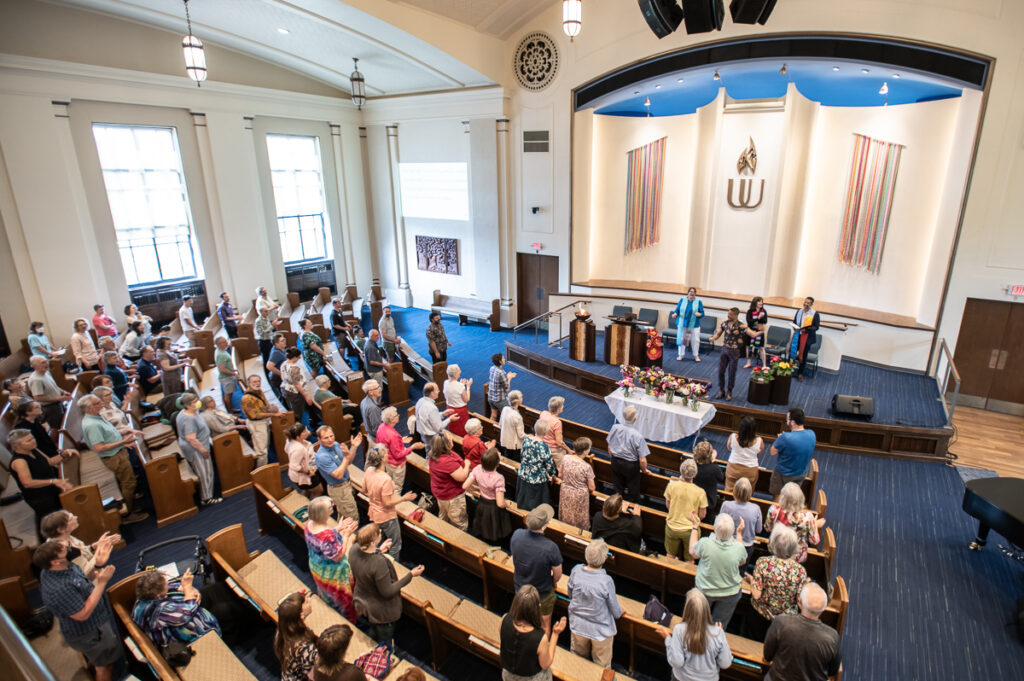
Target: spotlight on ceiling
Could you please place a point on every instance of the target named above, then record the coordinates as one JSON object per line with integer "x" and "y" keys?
{"x": 283, "y": 31}
{"x": 658, "y": 86}
{"x": 835, "y": 68}
{"x": 865, "y": 70}
{"x": 702, "y": 16}
{"x": 782, "y": 71}
{"x": 884, "y": 90}
{"x": 716, "y": 76}
{"x": 679, "y": 80}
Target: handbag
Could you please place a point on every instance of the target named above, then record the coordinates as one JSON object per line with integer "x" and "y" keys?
{"x": 177, "y": 653}
{"x": 428, "y": 503}
{"x": 377, "y": 662}
{"x": 655, "y": 611}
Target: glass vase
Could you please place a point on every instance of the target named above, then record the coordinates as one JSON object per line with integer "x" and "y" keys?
{"x": 695, "y": 404}
{"x": 669, "y": 396}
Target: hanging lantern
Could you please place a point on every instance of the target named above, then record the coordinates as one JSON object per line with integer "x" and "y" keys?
{"x": 358, "y": 86}
{"x": 195, "y": 56}
{"x": 572, "y": 17}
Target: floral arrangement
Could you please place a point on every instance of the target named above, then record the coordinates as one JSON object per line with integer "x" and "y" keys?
{"x": 781, "y": 367}
{"x": 698, "y": 390}
{"x": 626, "y": 384}
{"x": 761, "y": 374}
{"x": 654, "y": 343}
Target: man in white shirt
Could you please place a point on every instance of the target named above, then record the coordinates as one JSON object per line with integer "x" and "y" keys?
{"x": 48, "y": 394}
{"x": 186, "y": 317}
{"x": 392, "y": 341}
{"x": 430, "y": 421}
{"x": 297, "y": 384}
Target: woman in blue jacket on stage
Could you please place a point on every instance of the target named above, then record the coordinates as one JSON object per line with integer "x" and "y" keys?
{"x": 687, "y": 314}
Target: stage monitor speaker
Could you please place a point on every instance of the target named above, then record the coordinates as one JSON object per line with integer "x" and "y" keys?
{"x": 663, "y": 16}
{"x": 702, "y": 16}
{"x": 853, "y": 405}
{"x": 751, "y": 11}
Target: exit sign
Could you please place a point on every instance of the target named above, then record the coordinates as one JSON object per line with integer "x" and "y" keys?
{"x": 1017, "y": 290}
{"x": 536, "y": 245}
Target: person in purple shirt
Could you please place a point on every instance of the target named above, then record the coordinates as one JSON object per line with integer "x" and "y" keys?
{"x": 228, "y": 319}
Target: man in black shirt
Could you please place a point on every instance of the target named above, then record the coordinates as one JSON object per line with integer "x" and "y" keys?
{"x": 800, "y": 647}
{"x": 620, "y": 531}
{"x": 338, "y": 326}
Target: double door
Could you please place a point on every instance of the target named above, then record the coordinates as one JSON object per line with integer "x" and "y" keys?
{"x": 990, "y": 355}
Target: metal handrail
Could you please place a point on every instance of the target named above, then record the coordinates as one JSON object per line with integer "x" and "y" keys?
{"x": 950, "y": 372}
{"x": 545, "y": 316}
{"x": 24, "y": 660}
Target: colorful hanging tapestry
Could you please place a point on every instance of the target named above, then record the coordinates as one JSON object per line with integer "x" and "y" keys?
{"x": 644, "y": 169}
{"x": 869, "y": 199}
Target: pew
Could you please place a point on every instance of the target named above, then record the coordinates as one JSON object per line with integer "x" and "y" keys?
{"x": 468, "y": 308}
{"x": 396, "y": 381}
{"x": 332, "y": 414}
{"x": 279, "y": 425}
{"x": 212, "y": 658}
{"x": 415, "y": 364}
{"x": 15, "y": 562}
{"x": 86, "y": 468}
{"x": 233, "y": 463}
{"x": 84, "y": 501}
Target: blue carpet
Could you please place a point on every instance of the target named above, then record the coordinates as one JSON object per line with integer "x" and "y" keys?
{"x": 968, "y": 473}
{"x": 901, "y": 398}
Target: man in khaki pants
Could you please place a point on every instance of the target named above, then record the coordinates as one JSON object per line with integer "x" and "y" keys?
{"x": 333, "y": 460}
{"x": 257, "y": 410}
{"x": 112, "y": 449}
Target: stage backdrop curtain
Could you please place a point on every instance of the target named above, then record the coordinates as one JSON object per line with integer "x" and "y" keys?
{"x": 869, "y": 197}
{"x": 644, "y": 169}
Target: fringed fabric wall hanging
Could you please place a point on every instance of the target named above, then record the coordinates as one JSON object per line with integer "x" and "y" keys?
{"x": 869, "y": 198}
{"x": 645, "y": 168}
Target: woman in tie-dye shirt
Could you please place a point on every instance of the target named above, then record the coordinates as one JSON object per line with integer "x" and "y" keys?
{"x": 170, "y": 616}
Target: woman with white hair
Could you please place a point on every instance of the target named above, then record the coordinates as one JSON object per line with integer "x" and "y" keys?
{"x": 536, "y": 468}
{"x": 718, "y": 572}
{"x": 558, "y": 446}
{"x": 777, "y": 579}
{"x": 511, "y": 424}
{"x": 790, "y": 511}
{"x": 398, "y": 447}
{"x": 473, "y": 446}
{"x": 328, "y": 555}
{"x": 593, "y": 607}
{"x": 456, "y": 397}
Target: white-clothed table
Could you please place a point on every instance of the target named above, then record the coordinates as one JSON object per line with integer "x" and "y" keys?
{"x": 657, "y": 420}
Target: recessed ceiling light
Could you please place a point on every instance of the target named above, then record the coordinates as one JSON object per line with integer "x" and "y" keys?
{"x": 658, "y": 86}
{"x": 716, "y": 76}
{"x": 636, "y": 92}
{"x": 283, "y": 31}
{"x": 895, "y": 75}
{"x": 865, "y": 70}
{"x": 679, "y": 80}
{"x": 835, "y": 68}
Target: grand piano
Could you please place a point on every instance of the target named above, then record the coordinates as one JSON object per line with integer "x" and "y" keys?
{"x": 998, "y": 504}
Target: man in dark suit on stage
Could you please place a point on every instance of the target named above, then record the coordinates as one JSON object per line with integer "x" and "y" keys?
{"x": 806, "y": 321}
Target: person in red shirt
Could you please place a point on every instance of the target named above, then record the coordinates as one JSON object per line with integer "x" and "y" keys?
{"x": 472, "y": 446}
{"x": 380, "y": 488}
{"x": 447, "y": 473}
{"x": 103, "y": 323}
{"x": 398, "y": 447}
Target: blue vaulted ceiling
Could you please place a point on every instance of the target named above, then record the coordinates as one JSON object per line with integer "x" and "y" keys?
{"x": 830, "y": 82}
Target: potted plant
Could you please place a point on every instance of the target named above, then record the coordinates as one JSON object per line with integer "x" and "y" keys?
{"x": 760, "y": 389}
{"x": 782, "y": 377}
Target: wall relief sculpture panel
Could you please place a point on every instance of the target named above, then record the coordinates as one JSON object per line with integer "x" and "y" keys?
{"x": 437, "y": 254}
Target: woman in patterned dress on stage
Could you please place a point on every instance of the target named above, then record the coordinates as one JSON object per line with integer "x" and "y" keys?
{"x": 577, "y": 484}
{"x": 328, "y": 556}
{"x": 757, "y": 320}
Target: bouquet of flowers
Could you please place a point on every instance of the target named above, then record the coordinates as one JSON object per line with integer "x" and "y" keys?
{"x": 781, "y": 367}
{"x": 761, "y": 374}
{"x": 669, "y": 385}
{"x": 626, "y": 384}
{"x": 654, "y": 343}
{"x": 697, "y": 391}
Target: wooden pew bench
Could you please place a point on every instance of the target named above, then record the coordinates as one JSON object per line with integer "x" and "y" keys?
{"x": 468, "y": 308}
{"x": 397, "y": 382}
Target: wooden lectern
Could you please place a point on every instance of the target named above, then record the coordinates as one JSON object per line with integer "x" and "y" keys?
{"x": 625, "y": 342}
{"x": 582, "y": 336}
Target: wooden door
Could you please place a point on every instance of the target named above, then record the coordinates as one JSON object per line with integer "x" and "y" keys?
{"x": 1008, "y": 376}
{"x": 537, "y": 278}
{"x": 979, "y": 343}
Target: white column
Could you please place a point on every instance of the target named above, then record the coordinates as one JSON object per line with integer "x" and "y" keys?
{"x": 221, "y": 278}
{"x": 506, "y": 233}
{"x": 364, "y": 153}
{"x": 405, "y": 295}
{"x": 347, "y": 259}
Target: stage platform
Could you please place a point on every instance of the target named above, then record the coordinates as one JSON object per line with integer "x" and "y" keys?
{"x": 909, "y": 420}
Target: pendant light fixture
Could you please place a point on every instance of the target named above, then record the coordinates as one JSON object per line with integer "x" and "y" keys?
{"x": 195, "y": 56}
{"x": 358, "y": 84}
{"x": 572, "y": 17}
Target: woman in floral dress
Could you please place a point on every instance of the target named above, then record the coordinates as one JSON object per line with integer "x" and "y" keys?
{"x": 790, "y": 511}
{"x": 777, "y": 580}
{"x": 328, "y": 556}
{"x": 536, "y": 469}
{"x": 577, "y": 484}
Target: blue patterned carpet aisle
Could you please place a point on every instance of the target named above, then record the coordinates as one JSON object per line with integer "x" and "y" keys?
{"x": 923, "y": 606}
